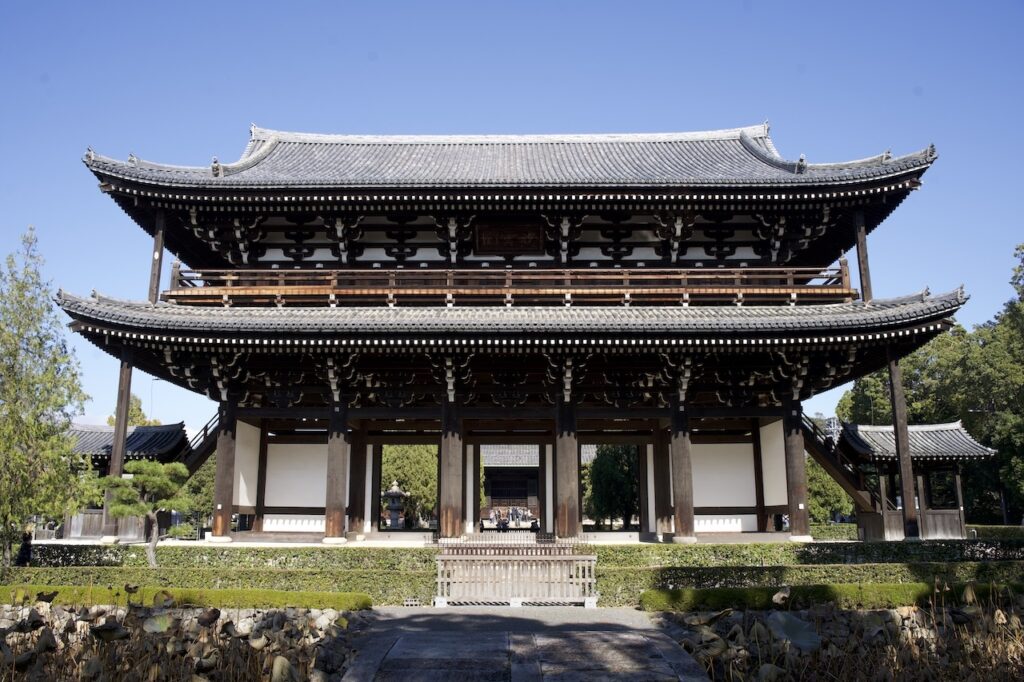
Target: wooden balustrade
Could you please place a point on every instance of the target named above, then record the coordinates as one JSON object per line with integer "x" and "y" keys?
{"x": 552, "y": 579}
{"x": 512, "y": 287}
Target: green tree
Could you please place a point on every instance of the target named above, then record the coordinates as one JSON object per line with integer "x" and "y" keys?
{"x": 40, "y": 393}
{"x": 614, "y": 484}
{"x": 150, "y": 487}
{"x": 415, "y": 469}
{"x": 136, "y": 417}
{"x": 200, "y": 488}
{"x": 825, "y": 497}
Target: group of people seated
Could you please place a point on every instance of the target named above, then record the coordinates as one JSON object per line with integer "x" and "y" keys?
{"x": 514, "y": 517}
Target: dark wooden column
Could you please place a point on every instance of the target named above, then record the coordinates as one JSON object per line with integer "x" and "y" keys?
{"x": 862, "y": 256}
{"x": 680, "y": 453}
{"x": 224, "y": 480}
{"x": 375, "y": 488}
{"x": 339, "y": 446}
{"x": 261, "y": 478}
{"x": 662, "y": 483}
{"x": 645, "y": 493}
{"x": 357, "y": 484}
{"x": 796, "y": 471}
{"x": 159, "y": 226}
{"x": 567, "y": 472}
{"x": 762, "y": 515}
{"x": 902, "y": 434}
{"x": 476, "y": 486}
{"x": 450, "y": 472}
{"x": 924, "y": 528}
{"x": 542, "y": 487}
{"x": 116, "y": 466}
{"x": 960, "y": 500}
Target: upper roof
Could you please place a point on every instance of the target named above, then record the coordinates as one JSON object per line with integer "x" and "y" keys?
{"x": 734, "y": 157}
{"x": 158, "y": 442}
{"x": 381, "y": 322}
{"x": 927, "y": 441}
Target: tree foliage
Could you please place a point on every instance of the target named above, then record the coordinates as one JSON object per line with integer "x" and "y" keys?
{"x": 825, "y": 497}
{"x": 40, "y": 393}
{"x": 200, "y": 489}
{"x": 976, "y": 377}
{"x": 415, "y": 469}
{"x": 614, "y": 484}
{"x": 150, "y": 487}
{"x": 136, "y": 417}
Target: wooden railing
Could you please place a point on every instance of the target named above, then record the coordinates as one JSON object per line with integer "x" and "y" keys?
{"x": 511, "y": 287}
{"x": 516, "y": 579}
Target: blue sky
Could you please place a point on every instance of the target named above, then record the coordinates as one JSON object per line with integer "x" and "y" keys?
{"x": 181, "y": 82}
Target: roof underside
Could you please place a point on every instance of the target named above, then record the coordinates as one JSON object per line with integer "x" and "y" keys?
{"x": 379, "y": 322}
{"x": 143, "y": 441}
{"x": 736, "y": 157}
{"x": 929, "y": 441}
{"x": 515, "y": 456}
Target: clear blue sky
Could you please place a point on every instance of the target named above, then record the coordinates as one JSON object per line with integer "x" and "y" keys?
{"x": 181, "y": 82}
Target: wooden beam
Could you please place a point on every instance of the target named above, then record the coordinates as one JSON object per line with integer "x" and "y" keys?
{"x": 224, "y": 479}
{"x": 680, "y": 453}
{"x": 567, "y": 472}
{"x": 862, "y": 256}
{"x": 156, "y": 264}
{"x": 796, "y": 471}
{"x": 117, "y": 449}
{"x": 902, "y": 434}
{"x": 450, "y": 471}
{"x": 762, "y": 515}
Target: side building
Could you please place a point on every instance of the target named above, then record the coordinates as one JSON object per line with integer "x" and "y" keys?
{"x": 682, "y": 292}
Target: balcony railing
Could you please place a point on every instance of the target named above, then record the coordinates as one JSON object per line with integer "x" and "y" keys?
{"x": 511, "y": 287}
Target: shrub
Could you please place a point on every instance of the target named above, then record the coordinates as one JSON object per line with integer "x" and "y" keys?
{"x": 834, "y": 531}
{"x": 79, "y": 595}
{"x": 998, "y": 532}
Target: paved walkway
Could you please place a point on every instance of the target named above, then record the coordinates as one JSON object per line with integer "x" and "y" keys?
{"x": 568, "y": 644}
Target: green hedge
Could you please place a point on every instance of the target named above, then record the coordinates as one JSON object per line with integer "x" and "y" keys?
{"x": 383, "y": 587}
{"x": 623, "y": 586}
{"x": 794, "y": 553}
{"x": 834, "y": 531}
{"x": 87, "y": 595}
{"x": 998, "y": 532}
{"x": 845, "y": 596}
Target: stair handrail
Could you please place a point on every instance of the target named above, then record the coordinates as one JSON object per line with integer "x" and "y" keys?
{"x": 201, "y": 436}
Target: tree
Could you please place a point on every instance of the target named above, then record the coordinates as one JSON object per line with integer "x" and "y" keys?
{"x": 136, "y": 417}
{"x": 415, "y": 469}
{"x": 614, "y": 484}
{"x": 40, "y": 393}
{"x": 200, "y": 488}
{"x": 825, "y": 497}
{"x": 150, "y": 487}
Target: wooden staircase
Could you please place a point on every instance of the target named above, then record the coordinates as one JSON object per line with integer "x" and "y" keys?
{"x": 845, "y": 472}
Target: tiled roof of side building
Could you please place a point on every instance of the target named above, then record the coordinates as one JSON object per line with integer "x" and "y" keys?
{"x": 927, "y": 441}
{"x": 734, "y": 157}
{"x": 160, "y": 442}
{"x": 382, "y": 322}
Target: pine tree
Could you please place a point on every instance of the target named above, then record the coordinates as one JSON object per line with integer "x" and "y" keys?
{"x": 150, "y": 487}
{"x": 39, "y": 395}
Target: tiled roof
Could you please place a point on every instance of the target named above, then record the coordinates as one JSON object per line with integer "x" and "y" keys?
{"x": 735, "y": 157}
{"x": 379, "y": 322}
{"x": 161, "y": 442}
{"x": 511, "y": 456}
{"x": 927, "y": 441}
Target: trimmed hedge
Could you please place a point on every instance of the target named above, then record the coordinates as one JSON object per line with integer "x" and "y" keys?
{"x": 834, "y": 531}
{"x": 79, "y": 595}
{"x": 844, "y": 596}
{"x": 623, "y": 586}
{"x": 383, "y": 587}
{"x": 998, "y": 532}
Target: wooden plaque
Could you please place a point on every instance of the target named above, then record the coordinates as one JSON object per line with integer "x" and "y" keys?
{"x": 509, "y": 240}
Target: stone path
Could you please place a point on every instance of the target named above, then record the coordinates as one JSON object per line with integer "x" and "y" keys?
{"x": 567, "y": 644}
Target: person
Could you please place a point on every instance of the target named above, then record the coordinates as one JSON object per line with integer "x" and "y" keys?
{"x": 534, "y": 526}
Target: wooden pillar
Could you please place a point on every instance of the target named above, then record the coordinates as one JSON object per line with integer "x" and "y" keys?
{"x": 356, "y": 507}
{"x": 681, "y": 452}
{"x": 796, "y": 471}
{"x": 567, "y": 472}
{"x": 960, "y": 500}
{"x": 450, "y": 471}
{"x": 643, "y": 487}
{"x": 922, "y": 510}
{"x": 477, "y": 482}
{"x": 662, "y": 483}
{"x": 224, "y": 480}
{"x": 862, "y": 256}
{"x": 116, "y": 466}
{"x": 542, "y": 488}
{"x": 339, "y": 446}
{"x": 471, "y": 487}
{"x": 261, "y": 478}
{"x": 375, "y": 488}
{"x": 158, "y": 255}
{"x": 762, "y": 515}
{"x": 902, "y": 434}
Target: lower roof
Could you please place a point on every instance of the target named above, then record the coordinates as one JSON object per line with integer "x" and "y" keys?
{"x": 927, "y": 441}
{"x": 158, "y": 442}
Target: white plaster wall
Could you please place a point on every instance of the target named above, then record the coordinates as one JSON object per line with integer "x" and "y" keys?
{"x": 296, "y": 476}
{"x": 773, "y": 460}
{"x": 247, "y": 464}
{"x": 736, "y": 523}
{"x": 293, "y": 523}
{"x": 723, "y": 475}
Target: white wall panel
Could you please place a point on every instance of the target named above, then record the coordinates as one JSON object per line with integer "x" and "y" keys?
{"x": 723, "y": 475}
{"x": 247, "y": 464}
{"x": 293, "y": 523}
{"x": 735, "y": 523}
{"x": 296, "y": 475}
{"x": 773, "y": 459}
